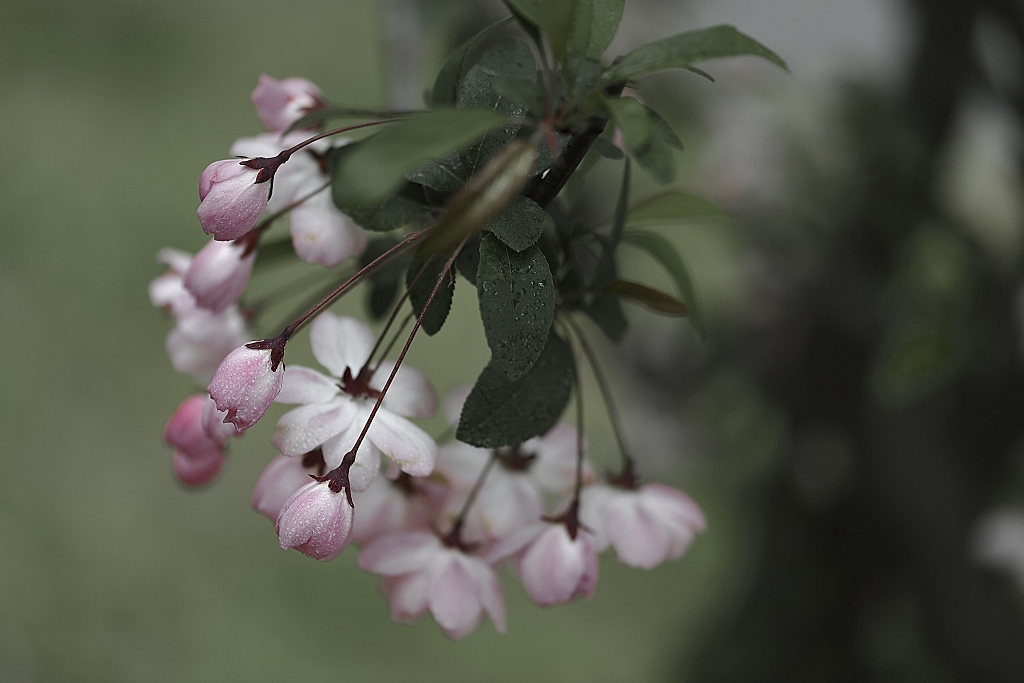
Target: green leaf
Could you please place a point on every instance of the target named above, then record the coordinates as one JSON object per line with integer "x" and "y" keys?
{"x": 484, "y": 197}
{"x": 593, "y": 26}
{"x": 378, "y": 165}
{"x": 644, "y": 139}
{"x": 499, "y": 412}
{"x": 420, "y": 289}
{"x": 607, "y": 149}
{"x": 582, "y": 74}
{"x": 674, "y": 206}
{"x": 663, "y": 129}
{"x": 653, "y": 298}
{"x": 529, "y": 94}
{"x": 605, "y": 271}
{"x": 606, "y": 312}
{"x": 520, "y": 225}
{"x": 517, "y": 304}
{"x": 468, "y": 260}
{"x": 446, "y": 86}
{"x": 392, "y": 213}
{"x": 662, "y": 251}
{"x": 684, "y": 49}
{"x": 554, "y": 18}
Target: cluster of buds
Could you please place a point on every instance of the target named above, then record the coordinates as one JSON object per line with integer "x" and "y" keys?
{"x": 434, "y": 522}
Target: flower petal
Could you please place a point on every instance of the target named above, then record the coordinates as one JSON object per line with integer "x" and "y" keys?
{"x": 340, "y": 342}
{"x": 401, "y": 553}
{"x": 407, "y": 595}
{"x": 410, "y": 393}
{"x": 407, "y": 445}
{"x": 304, "y": 428}
{"x": 639, "y": 539}
{"x": 453, "y": 595}
{"x": 305, "y": 385}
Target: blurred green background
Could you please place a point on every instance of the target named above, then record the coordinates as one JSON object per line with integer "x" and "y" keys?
{"x": 109, "y": 571}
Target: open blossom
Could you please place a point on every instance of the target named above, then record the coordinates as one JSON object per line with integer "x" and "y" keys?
{"x": 554, "y": 567}
{"x": 200, "y": 338}
{"x": 321, "y": 233}
{"x": 335, "y": 409}
{"x": 198, "y": 457}
{"x": 231, "y": 199}
{"x": 218, "y": 274}
{"x": 316, "y": 521}
{"x": 421, "y": 573}
{"x": 245, "y": 384}
{"x": 282, "y": 103}
{"x": 388, "y": 506}
{"x": 647, "y": 525}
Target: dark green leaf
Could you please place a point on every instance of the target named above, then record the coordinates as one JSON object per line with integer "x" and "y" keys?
{"x": 420, "y": 278}
{"x": 662, "y": 251}
{"x": 392, "y": 213}
{"x": 606, "y": 311}
{"x": 653, "y": 298}
{"x": 605, "y": 271}
{"x": 674, "y": 206}
{"x": 593, "y": 26}
{"x": 529, "y": 94}
{"x": 554, "y": 18}
{"x": 445, "y": 92}
{"x": 517, "y": 304}
{"x": 643, "y": 137}
{"x": 468, "y": 260}
{"x": 684, "y": 49}
{"x": 484, "y": 197}
{"x": 499, "y": 412}
{"x": 664, "y": 129}
{"x": 607, "y": 149}
{"x": 384, "y": 283}
{"x": 520, "y": 225}
{"x": 525, "y": 23}
{"x": 378, "y": 165}
{"x": 582, "y": 75}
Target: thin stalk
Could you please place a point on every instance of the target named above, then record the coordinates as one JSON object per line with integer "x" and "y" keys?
{"x": 391, "y": 320}
{"x": 454, "y": 537}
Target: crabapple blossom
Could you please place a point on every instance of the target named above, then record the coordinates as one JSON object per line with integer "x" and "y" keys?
{"x": 282, "y": 103}
{"x": 279, "y": 480}
{"x": 323, "y": 234}
{"x": 246, "y": 383}
{"x": 316, "y": 521}
{"x": 554, "y": 566}
{"x": 422, "y": 573}
{"x": 197, "y": 456}
{"x": 387, "y": 506}
{"x": 214, "y": 423}
{"x": 232, "y": 198}
{"x": 335, "y": 409}
{"x": 647, "y": 525}
{"x": 219, "y": 272}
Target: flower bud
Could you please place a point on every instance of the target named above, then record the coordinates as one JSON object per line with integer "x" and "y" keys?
{"x": 197, "y": 457}
{"x": 316, "y": 521}
{"x": 218, "y": 274}
{"x": 556, "y": 568}
{"x": 232, "y": 200}
{"x": 282, "y": 103}
{"x": 279, "y": 480}
{"x": 245, "y": 384}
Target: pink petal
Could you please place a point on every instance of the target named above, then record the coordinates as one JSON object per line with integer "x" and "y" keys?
{"x": 552, "y": 568}
{"x": 453, "y": 594}
{"x": 407, "y": 595}
{"x": 407, "y": 445}
{"x": 198, "y": 469}
{"x": 323, "y": 234}
{"x": 279, "y": 480}
{"x": 410, "y": 394}
{"x": 639, "y": 539}
{"x": 340, "y": 342}
{"x": 304, "y": 428}
{"x": 305, "y": 385}
{"x": 401, "y": 553}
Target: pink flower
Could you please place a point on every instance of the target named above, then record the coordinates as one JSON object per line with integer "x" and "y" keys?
{"x": 197, "y": 457}
{"x": 421, "y": 573}
{"x": 278, "y": 481}
{"x": 647, "y": 526}
{"x": 231, "y": 199}
{"x": 316, "y": 521}
{"x": 218, "y": 274}
{"x": 246, "y": 383}
{"x": 555, "y": 568}
{"x": 323, "y": 234}
{"x": 388, "y": 506}
{"x": 335, "y": 409}
{"x": 282, "y": 103}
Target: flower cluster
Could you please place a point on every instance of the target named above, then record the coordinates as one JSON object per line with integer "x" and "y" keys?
{"x": 435, "y": 522}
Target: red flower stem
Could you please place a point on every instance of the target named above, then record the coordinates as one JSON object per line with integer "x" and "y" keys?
{"x": 391, "y": 320}
{"x": 362, "y": 272}
{"x": 320, "y": 136}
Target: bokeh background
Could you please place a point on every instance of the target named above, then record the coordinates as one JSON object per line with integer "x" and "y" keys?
{"x": 851, "y": 426}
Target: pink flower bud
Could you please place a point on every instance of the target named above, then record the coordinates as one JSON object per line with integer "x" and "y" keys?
{"x": 197, "y": 457}
{"x": 246, "y": 383}
{"x": 556, "y": 568}
{"x": 316, "y": 521}
{"x": 214, "y": 425}
{"x": 232, "y": 200}
{"x": 282, "y": 103}
{"x": 218, "y": 274}
{"x": 280, "y": 479}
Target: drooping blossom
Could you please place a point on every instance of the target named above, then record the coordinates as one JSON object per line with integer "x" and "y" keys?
{"x": 231, "y": 199}
{"x": 198, "y": 458}
{"x": 421, "y": 573}
{"x": 218, "y": 274}
{"x": 387, "y": 506}
{"x": 335, "y": 409}
{"x": 316, "y": 521}
{"x": 554, "y": 567}
{"x": 200, "y": 338}
{"x": 279, "y": 480}
{"x": 245, "y": 384}
{"x": 321, "y": 233}
{"x": 646, "y": 525}
{"x": 282, "y": 103}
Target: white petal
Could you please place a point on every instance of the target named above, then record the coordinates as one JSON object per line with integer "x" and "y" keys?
{"x": 301, "y": 430}
{"x": 639, "y": 540}
{"x": 367, "y": 465}
{"x": 305, "y": 385}
{"x": 405, "y": 443}
{"x": 339, "y": 342}
{"x": 453, "y": 595}
{"x": 401, "y": 553}
{"x": 410, "y": 394}
{"x": 323, "y": 234}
